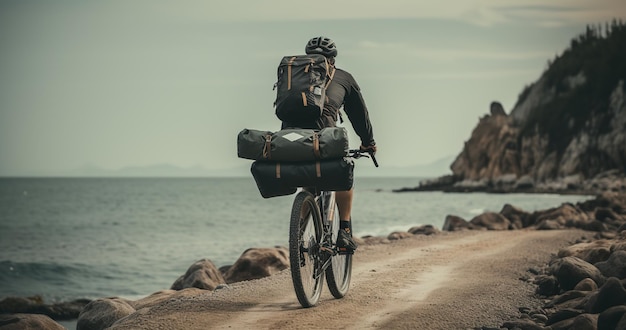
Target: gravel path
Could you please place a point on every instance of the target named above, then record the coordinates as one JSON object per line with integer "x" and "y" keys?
{"x": 457, "y": 280}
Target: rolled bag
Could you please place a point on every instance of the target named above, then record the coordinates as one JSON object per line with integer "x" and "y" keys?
{"x": 293, "y": 144}
{"x": 283, "y": 178}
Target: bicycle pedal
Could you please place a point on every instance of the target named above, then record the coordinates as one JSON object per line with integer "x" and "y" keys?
{"x": 345, "y": 251}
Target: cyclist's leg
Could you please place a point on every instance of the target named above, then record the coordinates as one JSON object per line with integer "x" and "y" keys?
{"x": 345, "y": 243}
{"x": 344, "y": 203}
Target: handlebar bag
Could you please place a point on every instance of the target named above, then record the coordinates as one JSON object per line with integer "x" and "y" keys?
{"x": 282, "y": 178}
{"x": 293, "y": 144}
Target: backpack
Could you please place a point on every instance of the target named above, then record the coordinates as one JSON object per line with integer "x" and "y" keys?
{"x": 301, "y": 88}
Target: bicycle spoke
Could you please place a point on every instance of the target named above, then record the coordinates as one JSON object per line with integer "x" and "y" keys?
{"x": 305, "y": 233}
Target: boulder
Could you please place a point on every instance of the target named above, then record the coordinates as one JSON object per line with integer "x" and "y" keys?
{"x": 35, "y": 305}
{"x": 569, "y": 299}
{"x": 591, "y": 252}
{"x": 622, "y": 323}
{"x": 615, "y": 265}
{"x": 202, "y": 275}
{"x": 28, "y": 321}
{"x": 593, "y": 225}
{"x": 371, "y": 240}
{"x": 618, "y": 246}
{"x": 571, "y": 270}
{"x": 549, "y": 225}
{"x": 582, "y": 322}
{"x": 424, "y": 230}
{"x": 117, "y": 311}
{"x": 491, "y": 221}
{"x": 102, "y": 313}
{"x": 613, "y": 201}
{"x": 562, "y": 314}
{"x": 396, "y": 235}
{"x": 257, "y": 263}
{"x": 606, "y": 214}
{"x": 567, "y": 213}
{"x": 586, "y": 285}
{"x": 517, "y": 216}
{"x": 609, "y": 319}
{"x": 455, "y": 223}
{"x": 12, "y": 305}
{"x": 547, "y": 285}
{"x": 522, "y": 325}
{"x": 612, "y": 293}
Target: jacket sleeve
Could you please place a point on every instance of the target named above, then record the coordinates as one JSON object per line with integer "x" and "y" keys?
{"x": 356, "y": 110}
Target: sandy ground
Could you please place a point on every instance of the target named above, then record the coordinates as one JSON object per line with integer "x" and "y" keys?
{"x": 453, "y": 280}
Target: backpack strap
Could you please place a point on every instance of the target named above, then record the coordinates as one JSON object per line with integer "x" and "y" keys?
{"x": 331, "y": 75}
{"x": 289, "y": 72}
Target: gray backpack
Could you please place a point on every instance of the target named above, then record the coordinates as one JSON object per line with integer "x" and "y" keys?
{"x": 301, "y": 88}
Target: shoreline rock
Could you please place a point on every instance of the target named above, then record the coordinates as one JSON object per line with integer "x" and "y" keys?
{"x": 610, "y": 181}
{"x": 573, "y": 284}
{"x": 583, "y": 286}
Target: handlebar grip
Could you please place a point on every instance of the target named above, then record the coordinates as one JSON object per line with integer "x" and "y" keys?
{"x": 374, "y": 159}
{"x": 356, "y": 153}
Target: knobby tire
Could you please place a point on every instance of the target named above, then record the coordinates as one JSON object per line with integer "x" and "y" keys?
{"x": 305, "y": 231}
{"x": 339, "y": 273}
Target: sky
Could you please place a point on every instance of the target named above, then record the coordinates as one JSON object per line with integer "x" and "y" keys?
{"x": 118, "y": 83}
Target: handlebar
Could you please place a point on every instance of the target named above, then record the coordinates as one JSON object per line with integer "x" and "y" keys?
{"x": 357, "y": 153}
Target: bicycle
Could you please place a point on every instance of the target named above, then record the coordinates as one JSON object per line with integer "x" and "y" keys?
{"x": 313, "y": 253}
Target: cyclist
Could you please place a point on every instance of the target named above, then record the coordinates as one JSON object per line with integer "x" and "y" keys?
{"x": 342, "y": 91}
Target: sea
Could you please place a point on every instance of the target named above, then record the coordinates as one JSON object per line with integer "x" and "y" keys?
{"x": 70, "y": 238}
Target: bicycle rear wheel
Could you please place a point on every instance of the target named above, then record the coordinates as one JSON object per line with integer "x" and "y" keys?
{"x": 339, "y": 273}
{"x": 305, "y": 233}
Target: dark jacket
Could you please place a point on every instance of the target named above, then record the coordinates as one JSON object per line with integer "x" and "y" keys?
{"x": 344, "y": 91}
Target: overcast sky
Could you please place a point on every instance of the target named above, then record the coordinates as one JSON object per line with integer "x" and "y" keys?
{"x": 135, "y": 83}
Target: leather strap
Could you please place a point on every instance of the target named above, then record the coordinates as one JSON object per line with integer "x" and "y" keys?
{"x": 267, "y": 147}
{"x": 318, "y": 169}
{"x": 277, "y": 170}
{"x": 304, "y": 99}
{"x": 331, "y": 75}
{"x": 289, "y": 64}
{"x": 316, "y": 145}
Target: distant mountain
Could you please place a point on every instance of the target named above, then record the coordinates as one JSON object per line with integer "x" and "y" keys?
{"x": 364, "y": 169}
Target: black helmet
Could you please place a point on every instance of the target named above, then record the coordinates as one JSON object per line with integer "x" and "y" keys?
{"x": 321, "y": 45}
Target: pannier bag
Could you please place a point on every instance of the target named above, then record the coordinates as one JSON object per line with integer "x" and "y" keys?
{"x": 293, "y": 145}
{"x": 281, "y": 178}
{"x": 301, "y": 87}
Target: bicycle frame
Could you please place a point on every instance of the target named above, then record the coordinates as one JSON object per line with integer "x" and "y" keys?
{"x": 312, "y": 247}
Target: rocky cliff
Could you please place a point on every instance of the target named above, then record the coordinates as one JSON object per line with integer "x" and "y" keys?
{"x": 567, "y": 130}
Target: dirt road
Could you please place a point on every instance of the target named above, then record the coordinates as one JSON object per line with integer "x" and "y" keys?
{"x": 446, "y": 281}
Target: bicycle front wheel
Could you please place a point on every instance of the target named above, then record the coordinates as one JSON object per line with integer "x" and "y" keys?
{"x": 305, "y": 231}
{"x": 339, "y": 273}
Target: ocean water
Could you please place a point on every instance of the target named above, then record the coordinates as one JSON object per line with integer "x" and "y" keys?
{"x": 69, "y": 238}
